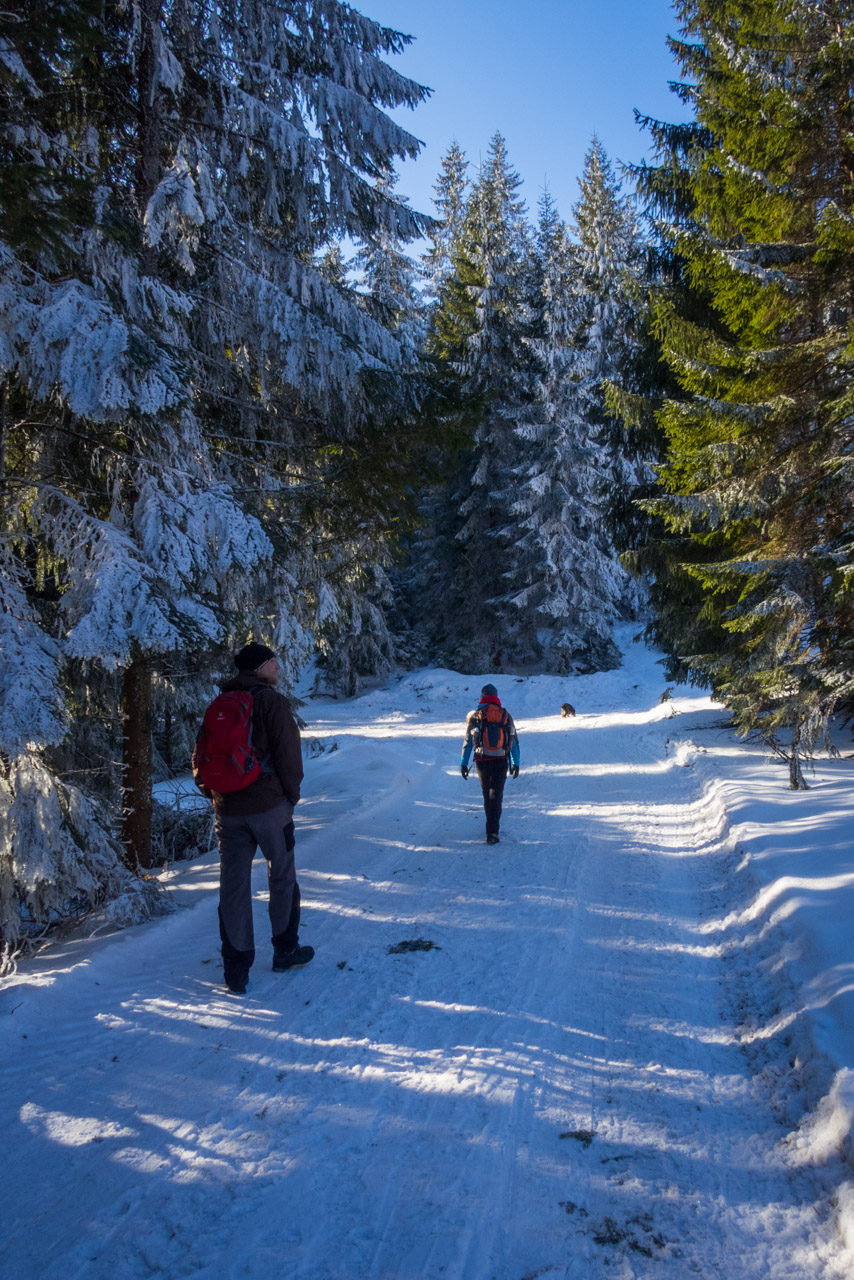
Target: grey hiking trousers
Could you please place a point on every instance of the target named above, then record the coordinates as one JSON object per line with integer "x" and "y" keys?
{"x": 238, "y": 837}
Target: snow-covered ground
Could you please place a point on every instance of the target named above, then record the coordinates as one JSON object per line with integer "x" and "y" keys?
{"x": 628, "y": 1052}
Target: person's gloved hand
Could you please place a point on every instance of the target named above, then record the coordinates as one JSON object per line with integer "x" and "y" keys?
{"x": 514, "y": 771}
{"x": 464, "y": 770}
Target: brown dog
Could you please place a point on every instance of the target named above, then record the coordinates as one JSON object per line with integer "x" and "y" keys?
{"x": 566, "y": 709}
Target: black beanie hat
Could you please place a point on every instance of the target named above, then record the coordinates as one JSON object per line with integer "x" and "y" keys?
{"x": 490, "y": 690}
{"x": 252, "y": 656}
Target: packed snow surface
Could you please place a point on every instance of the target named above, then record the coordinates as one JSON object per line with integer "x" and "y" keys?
{"x": 620, "y": 1043}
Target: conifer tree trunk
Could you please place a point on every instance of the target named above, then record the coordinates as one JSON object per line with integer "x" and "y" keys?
{"x": 149, "y": 107}
{"x": 136, "y": 680}
{"x": 167, "y": 738}
{"x": 136, "y": 763}
{"x": 797, "y": 781}
{"x": 3, "y": 432}
{"x": 4, "y": 497}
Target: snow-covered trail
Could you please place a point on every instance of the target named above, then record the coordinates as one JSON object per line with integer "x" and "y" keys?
{"x": 581, "y": 1078}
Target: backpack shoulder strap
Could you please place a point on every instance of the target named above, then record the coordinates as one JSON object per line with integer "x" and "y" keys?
{"x": 256, "y": 689}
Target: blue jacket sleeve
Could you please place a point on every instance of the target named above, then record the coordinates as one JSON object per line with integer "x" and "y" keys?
{"x": 515, "y": 754}
{"x": 468, "y": 742}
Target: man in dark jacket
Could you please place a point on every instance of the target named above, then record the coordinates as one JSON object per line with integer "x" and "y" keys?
{"x": 492, "y": 733}
{"x": 260, "y": 816}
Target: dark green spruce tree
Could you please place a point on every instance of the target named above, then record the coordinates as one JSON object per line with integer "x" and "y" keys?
{"x": 755, "y": 203}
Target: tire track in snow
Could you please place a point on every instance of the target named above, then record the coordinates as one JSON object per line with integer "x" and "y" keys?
{"x": 706, "y": 1177}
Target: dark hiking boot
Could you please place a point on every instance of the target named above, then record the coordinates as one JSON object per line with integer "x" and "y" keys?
{"x": 492, "y": 839}
{"x": 236, "y": 984}
{"x": 284, "y": 960}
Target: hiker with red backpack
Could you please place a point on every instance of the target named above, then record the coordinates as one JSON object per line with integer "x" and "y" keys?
{"x": 248, "y": 761}
{"x": 490, "y": 731}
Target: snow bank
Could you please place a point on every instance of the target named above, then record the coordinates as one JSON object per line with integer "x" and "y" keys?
{"x": 827, "y": 1130}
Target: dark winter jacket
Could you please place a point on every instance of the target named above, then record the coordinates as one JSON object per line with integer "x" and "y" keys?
{"x": 276, "y": 740}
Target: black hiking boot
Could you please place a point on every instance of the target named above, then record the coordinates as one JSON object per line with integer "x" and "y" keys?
{"x": 284, "y": 960}
{"x": 236, "y": 983}
{"x": 492, "y": 840}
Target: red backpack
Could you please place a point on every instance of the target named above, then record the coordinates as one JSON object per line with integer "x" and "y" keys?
{"x": 224, "y": 759}
{"x": 492, "y": 736}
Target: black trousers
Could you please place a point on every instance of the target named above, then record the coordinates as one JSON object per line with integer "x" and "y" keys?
{"x": 239, "y": 837}
{"x": 493, "y": 775}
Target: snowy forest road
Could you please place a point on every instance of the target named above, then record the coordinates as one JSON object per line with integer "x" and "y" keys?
{"x": 587, "y": 1073}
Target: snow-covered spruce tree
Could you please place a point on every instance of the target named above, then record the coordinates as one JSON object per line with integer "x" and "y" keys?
{"x": 566, "y": 572}
{"x": 359, "y": 534}
{"x": 311, "y": 162}
{"x": 612, "y": 266}
{"x": 351, "y": 528}
{"x": 481, "y": 328}
{"x": 760, "y": 444}
{"x": 633, "y": 428}
{"x": 451, "y": 189}
{"x": 428, "y": 607}
{"x": 351, "y": 628}
{"x": 429, "y": 613}
{"x": 135, "y": 528}
{"x": 159, "y": 431}
{"x": 386, "y": 274}
{"x": 57, "y": 854}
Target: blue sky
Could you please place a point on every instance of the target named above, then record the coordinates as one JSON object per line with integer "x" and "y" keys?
{"x": 546, "y": 73}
